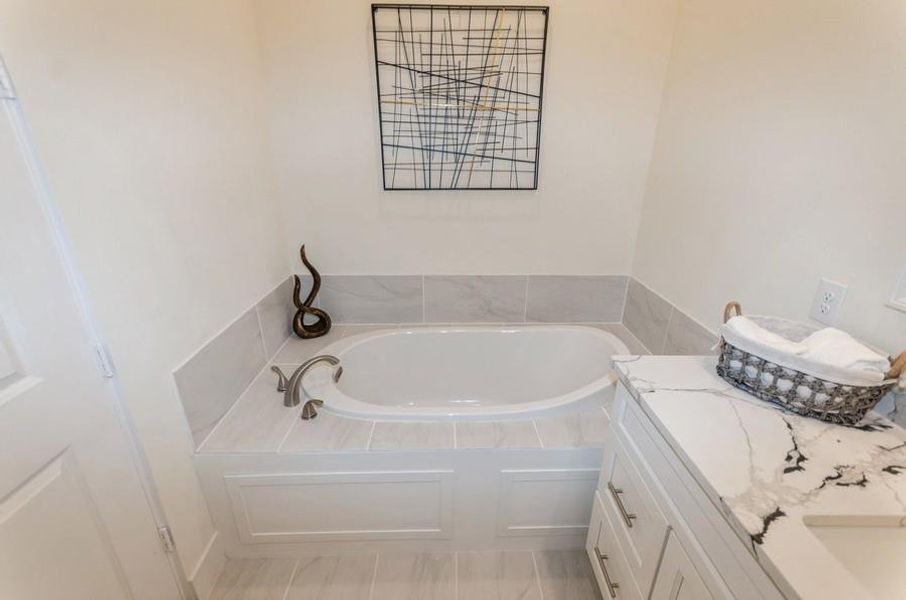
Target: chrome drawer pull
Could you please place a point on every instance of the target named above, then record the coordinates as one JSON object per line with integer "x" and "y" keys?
{"x": 627, "y": 516}
{"x": 611, "y": 586}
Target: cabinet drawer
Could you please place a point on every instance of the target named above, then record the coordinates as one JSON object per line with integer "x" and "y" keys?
{"x": 607, "y": 558}
{"x": 639, "y": 524}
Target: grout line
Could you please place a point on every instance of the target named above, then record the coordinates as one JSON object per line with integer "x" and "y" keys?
{"x": 537, "y": 576}
{"x": 663, "y": 347}
{"x": 286, "y": 436}
{"x": 625, "y": 299}
{"x": 455, "y": 437}
{"x": 377, "y": 557}
{"x": 456, "y": 575}
{"x": 370, "y": 435}
{"x": 424, "y": 302}
{"x": 538, "y": 433}
{"x": 292, "y": 578}
{"x": 525, "y": 304}
{"x": 261, "y": 331}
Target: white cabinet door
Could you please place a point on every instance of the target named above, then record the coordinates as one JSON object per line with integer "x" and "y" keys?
{"x": 75, "y": 523}
{"x": 608, "y": 561}
{"x": 677, "y": 578}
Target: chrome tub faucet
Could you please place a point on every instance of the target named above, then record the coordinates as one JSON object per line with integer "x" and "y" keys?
{"x": 291, "y": 386}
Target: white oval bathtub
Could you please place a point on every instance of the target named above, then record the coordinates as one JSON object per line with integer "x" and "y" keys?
{"x": 453, "y": 373}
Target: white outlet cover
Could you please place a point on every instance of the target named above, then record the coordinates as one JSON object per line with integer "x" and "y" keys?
{"x": 828, "y": 300}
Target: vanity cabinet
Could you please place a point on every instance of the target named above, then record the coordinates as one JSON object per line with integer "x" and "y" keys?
{"x": 677, "y": 578}
{"x": 654, "y": 533}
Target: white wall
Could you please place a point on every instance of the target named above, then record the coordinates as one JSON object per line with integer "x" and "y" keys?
{"x": 606, "y": 64}
{"x": 148, "y": 118}
{"x": 780, "y": 159}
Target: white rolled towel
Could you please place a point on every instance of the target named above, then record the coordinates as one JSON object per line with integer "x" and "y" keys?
{"x": 749, "y": 329}
{"x": 837, "y": 348}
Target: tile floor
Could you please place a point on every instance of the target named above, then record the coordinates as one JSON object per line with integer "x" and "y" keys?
{"x": 548, "y": 575}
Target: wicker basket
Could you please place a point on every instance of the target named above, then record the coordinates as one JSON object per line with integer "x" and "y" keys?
{"x": 795, "y": 390}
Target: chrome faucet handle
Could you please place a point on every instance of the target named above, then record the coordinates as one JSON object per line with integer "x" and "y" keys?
{"x": 291, "y": 397}
{"x": 281, "y": 378}
{"x": 310, "y": 409}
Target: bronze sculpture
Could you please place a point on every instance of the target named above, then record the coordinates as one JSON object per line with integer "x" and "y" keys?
{"x": 322, "y": 325}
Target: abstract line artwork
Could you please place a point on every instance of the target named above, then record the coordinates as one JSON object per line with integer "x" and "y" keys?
{"x": 459, "y": 95}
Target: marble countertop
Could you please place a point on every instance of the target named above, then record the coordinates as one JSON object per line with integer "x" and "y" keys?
{"x": 771, "y": 472}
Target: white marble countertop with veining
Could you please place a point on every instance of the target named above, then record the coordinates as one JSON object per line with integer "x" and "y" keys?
{"x": 773, "y": 473}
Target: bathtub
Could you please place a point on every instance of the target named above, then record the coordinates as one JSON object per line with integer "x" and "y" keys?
{"x": 467, "y": 373}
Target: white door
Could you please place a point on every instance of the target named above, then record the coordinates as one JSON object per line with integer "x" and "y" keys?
{"x": 74, "y": 519}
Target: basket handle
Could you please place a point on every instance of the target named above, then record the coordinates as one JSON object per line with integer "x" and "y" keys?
{"x": 731, "y": 307}
{"x": 899, "y": 365}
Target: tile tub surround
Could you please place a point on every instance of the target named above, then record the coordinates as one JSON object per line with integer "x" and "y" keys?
{"x": 768, "y": 470}
{"x": 551, "y": 575}
{"x": 574, "y": 299}
{"x": 258, "y": 422}
{"x": 211, "y": 381}
{"x": 372, "y": 298}
{"x": 465, "y": 299}
{"x": 394, "y": 299}
{"x": 662, "y": 327}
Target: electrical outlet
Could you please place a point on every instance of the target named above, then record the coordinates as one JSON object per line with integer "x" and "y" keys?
{"x": 827, "y": 303}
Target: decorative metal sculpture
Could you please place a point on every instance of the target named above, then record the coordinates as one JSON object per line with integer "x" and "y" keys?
{"x": 322, "y": 325}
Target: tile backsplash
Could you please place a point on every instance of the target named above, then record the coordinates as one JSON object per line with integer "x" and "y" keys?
{"x": 212, "y": 380}
{"x": 467, "y": 298}
{"x": 575, "y": 299}
{"x": 372, "y": 298}
{"x": 215, "y": 376}
{"x": 662, "y": 327}
{"x": 473, "y": 298}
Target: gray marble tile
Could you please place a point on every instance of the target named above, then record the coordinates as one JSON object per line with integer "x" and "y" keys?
{"x": 373, "y": 298}
{"x": 647, "y": 315}
{"x": 275, "y": 312}
{"x": 566, "y": 575}
{"x": 577, "y": 430}
{"x": 497, "y": 576}
{"x": 412, "y": 436}
{"x": 254, "y": 579}
{"x": 622, "y": 332}
{"x": 503, "y": 434}
{"x": 328, "y": 432}
{"x": 212, "y": 380}
{"x": 470, "y": 299}
{"x": 333, "y": 578}
{"x": 685, "y": 336}
{"x": 296, "y": 350}
{"x": 414, "y": 577}
{"x": 576, "y": 299}
{"x": 258, "y": 422}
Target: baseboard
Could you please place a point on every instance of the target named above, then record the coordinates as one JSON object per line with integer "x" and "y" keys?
{"x": 208, "y": 567}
